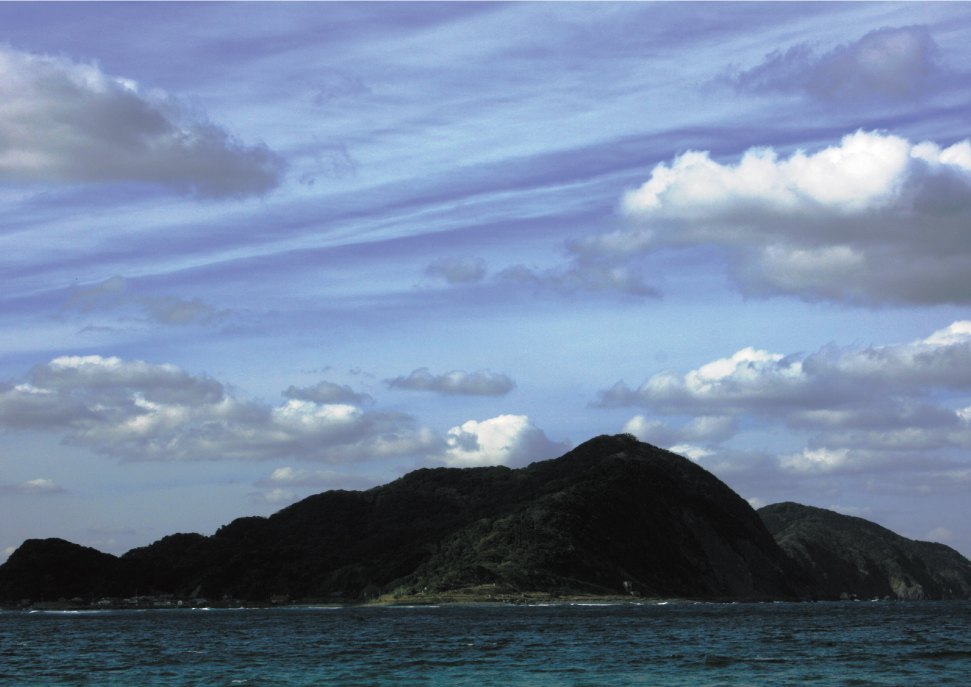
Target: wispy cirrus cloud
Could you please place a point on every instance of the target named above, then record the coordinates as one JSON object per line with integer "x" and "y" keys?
{"x": 68, "y": 122}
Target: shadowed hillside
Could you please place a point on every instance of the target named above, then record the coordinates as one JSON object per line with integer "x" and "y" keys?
{"x": 613, "y": 516}
{"x": 846, "y": 556}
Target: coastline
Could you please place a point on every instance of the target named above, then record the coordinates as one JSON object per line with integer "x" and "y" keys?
{"x": 458, "y": 599}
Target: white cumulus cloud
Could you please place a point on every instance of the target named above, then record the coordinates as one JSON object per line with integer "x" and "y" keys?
{"x": 68, "y": 122}
{"x": 832, "y": 387}
{"x": 140, "y": 411}
{"x": 510, "y": 440}
{"x": 893, "y": 408}
{"x": 866, "y": 172}
{"x": 874, "y": 219}
{"x": 143, "y": 411}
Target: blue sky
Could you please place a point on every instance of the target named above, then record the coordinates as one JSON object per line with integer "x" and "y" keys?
{"x": 255, "y": 251}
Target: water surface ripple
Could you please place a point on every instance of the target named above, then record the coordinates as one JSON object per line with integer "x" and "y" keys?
{"x": 709, "y": 645}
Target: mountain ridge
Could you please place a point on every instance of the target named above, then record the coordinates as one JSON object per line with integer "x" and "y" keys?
{"x": 612, "y": 517}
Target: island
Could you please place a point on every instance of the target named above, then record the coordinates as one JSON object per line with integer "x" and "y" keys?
{"x": 614, "y": 519}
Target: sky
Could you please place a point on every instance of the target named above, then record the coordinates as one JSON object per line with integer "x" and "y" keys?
{"x": 252, "y": 252}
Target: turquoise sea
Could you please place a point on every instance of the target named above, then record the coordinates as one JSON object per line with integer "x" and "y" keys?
{"x": 850, "y": 643}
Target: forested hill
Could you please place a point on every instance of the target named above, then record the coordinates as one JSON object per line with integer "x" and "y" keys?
{"x": 848, "y": 557}
{"x": 613, "y": 516}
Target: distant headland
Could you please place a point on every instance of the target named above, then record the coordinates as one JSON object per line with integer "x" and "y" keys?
{"x": 614, "y": 519}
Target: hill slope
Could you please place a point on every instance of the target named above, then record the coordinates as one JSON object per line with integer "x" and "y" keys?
{"x": 846, "y": 556}
{"x": 612, "y": 515}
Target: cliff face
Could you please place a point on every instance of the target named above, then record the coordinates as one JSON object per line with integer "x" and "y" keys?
{"x": 846, "y": 557}
{"x": 612, "y": 516}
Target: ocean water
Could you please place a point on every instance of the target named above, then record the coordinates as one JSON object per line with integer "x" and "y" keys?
{"x": 850, "y": 643}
